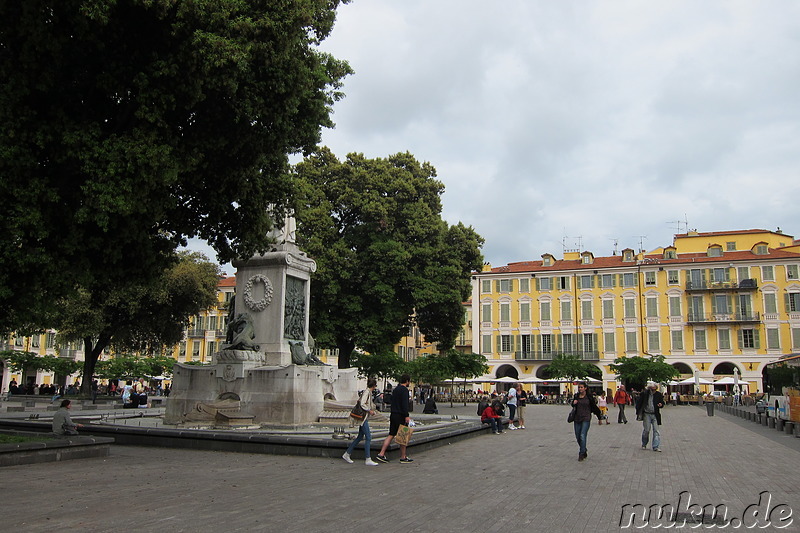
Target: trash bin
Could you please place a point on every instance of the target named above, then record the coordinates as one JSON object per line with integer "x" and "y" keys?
{"x": 710, "y": 408}
{"x": 761, "y": 407}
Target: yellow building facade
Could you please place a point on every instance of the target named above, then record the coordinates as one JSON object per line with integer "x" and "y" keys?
{"x": 712, "y": 303}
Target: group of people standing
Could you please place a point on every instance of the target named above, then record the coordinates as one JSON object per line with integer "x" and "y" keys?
{"x": 648, "y": 410}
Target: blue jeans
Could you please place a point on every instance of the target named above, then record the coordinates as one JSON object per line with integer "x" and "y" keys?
{"x": 648, "y": 421}
{"x": 494, "y": 423}
{"x": 581, "y": 429}
{"x": 363, "y": 433}
{"x": 512, "y": 410}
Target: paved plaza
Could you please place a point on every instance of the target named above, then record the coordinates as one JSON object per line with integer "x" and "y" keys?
{"x": 527, "y": 480}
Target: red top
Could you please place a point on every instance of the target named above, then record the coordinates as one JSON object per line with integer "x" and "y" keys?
{"x": 621, "y": 397}
{"x": 489, "y": 412}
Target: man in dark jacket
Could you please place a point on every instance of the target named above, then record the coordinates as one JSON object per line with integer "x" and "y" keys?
{"x": 399, "y": 416}
{"x": 648, "y": 410}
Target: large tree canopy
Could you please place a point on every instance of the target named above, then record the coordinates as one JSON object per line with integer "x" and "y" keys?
{"x": 127, "y": 126}
{"x": 374, "y": 226}
{"x": 139, "y": 316}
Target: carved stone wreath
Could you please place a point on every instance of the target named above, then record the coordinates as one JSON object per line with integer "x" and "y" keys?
{"x": 257, "y": 305}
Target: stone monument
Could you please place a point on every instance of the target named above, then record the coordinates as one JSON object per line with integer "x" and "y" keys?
{"x": 266, "y": 372}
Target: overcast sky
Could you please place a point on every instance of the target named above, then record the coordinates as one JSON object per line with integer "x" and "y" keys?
{"x": 604, "y": 121}
{"x": 578, "y": 122}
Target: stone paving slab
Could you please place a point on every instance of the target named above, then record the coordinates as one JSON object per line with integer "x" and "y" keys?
{"x": 526, "y": 480}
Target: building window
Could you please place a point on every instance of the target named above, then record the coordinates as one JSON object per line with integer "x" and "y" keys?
{"x": 196, "y": 351}
{"x": 543, "y": 284}
{"x": 505, "y": 285}
{"x": 486, "y": 285}
{"x": 673, "y": 277}
{"x": 795, "y": 339}
{"x": 650, "y": 278}
{"x": 730, "y": 246}
{"x": 652, "y": 306}
{"x": 629, "y": 279}
{"x": 211, "y": 347}
{"x": 608, "y": 308}
{"x": 653, "y": 341}
{"x": 793, "y": 302}
{"x": 724, "y": 339}
{"x": 608, "y": 341}
{"x": 630, "y": 341}
{"x": 773, "y": 339}
{"x": 35, "y": 341}
{"x": 486, "y": 344}
{"x": 51, "y": 340}
{"x": 525, "y": 285}
{"x": 212, "y": 322}
{"x": 547, "y": 260}
{"x": 700, "y": 340}
{"x": 748, "y": 339}
{"x": 608, "y": 281}
{"x": 720, "y": 274}
{"x": 767, "y": 273}
{"x": 505, "y": 343}
{"x": 792, "y": 272}
{"x": 761, "y": 249}
{"x": 547, "y": 343}
{"x": 586, "y": 282}
{"x": 586, "y": 260}
{"x": 525, "y": 312}
{"x": 486, "y": 313}
{"x": 566, "y": 343}
{"x": 566, "y": 310}
{"x": 677, "y": 340}
{"x": 630, "y": 307}
{"x": 505, "y": 312}
{"x": 525, "y": 341}
{"x": 586, "y": 309}
{"x": 544, "y": 311}
{"x": 589, "y": 342}
{"x": 674, "y": 306}
{"x": 182, "y": 350}
{"x": 743, "y": 273}
{"x": 714, "y": 251}
{"x": 670, "y": 254}
{"x": 562, "y": 283}
{"x": 770, "y": 303}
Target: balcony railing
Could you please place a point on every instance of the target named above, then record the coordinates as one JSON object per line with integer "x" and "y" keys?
{"x": 532, "y": 355}
{"x": 724, "y": 318}
{"x": 196, "y": 332}
{"x": 746, "y": 284}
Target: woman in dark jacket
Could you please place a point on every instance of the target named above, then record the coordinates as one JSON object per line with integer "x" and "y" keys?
{"x": 585, "y": 406}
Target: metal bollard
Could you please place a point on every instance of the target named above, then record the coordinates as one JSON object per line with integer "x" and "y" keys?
{"x": 710, "y": 408}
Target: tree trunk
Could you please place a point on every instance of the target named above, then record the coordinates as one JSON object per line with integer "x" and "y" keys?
{"x": 90, "y": 356}
{"x": 346, "y": 348}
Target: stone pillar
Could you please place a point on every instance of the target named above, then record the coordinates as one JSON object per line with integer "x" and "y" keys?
{"x": 274, "y": 289}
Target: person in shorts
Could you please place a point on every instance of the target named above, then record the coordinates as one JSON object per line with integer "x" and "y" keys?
{"x": 399, "y": 416}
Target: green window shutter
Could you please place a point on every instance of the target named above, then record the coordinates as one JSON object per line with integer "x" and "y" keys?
{"x": 497, "y": 285}
{"x": 566, "y": 285}
{"x": 713, "y": 306}
{"x": 756, "y": 338}
{"x": 578, "y": 282}
{"x": 537, "y": 284}
{"x": 786, "y": 302}
{"x": 517, "y": 343}
{"x": 595, "y": 345}
{"x": 511, "y": 285}
{"x": 499, "y": 339}
{"x": 537, "y": 343}
{"x": 740, "y": 338}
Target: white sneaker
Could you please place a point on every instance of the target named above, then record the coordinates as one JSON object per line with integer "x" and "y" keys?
{"x": 511, "y": 426}
{"x": 346, "y": 457}
{"x": 522, "y": 427}
{"x": 370, "y": 462}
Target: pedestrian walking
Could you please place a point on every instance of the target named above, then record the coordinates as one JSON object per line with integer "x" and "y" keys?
{"x": 603, "y": 406}
{"x": 585, "y": 406}
{"x": 648, "y": 410}
{"x": 398, "y": 416}
{"x": 363, "y": 429}
{"x": 621, "y": 399}
{"x": 511, "y": 402}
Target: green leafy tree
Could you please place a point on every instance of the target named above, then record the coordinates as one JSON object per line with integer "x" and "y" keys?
{"x": 128, "y": 126}
{"x": 466, "y": 366}
{"x": 139, "y": 316}
{"x": 570, "y": 367}
{"x": 383, "y": 252}
{"x": 31, "y": 362}
{"x": 430, "y": 369}
{"x": 382, "y": 365}
{"x": 637, "y": 371}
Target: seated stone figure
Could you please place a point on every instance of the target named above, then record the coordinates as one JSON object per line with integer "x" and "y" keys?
{"x": 241, "y": 334}
{"x": 300, "y": 357}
